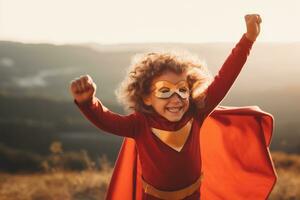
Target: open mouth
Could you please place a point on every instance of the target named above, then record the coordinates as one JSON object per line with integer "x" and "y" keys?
{"x": 174, "y": 109}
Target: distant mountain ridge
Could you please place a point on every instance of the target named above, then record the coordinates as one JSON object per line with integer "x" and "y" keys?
{"x": 270, "y": 78}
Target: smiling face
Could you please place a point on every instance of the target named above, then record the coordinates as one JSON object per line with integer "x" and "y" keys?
{"x": 170, "y": 107}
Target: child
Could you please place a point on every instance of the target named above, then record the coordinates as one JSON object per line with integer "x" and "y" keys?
{"x": 171, "y": 97}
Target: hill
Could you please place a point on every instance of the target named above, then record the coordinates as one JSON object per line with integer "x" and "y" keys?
{"x": 36, "y": 107}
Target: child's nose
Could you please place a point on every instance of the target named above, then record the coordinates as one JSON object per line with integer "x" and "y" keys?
{"x": 175, "y": 97}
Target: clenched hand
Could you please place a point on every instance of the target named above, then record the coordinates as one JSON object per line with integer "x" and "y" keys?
{"x": 253, "y": 26}
{"x": 83, "y": 88}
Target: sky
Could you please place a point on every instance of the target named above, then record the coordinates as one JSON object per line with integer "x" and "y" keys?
{"x": 143, "y": 21}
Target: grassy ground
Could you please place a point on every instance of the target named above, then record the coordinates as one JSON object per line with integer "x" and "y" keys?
{"x": 92, "y": 184}
{"x": 288, "y": 183}
{"x": 87, "y": 185}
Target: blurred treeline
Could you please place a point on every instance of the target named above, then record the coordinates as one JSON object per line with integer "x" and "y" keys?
{"x": 17, "y": 161}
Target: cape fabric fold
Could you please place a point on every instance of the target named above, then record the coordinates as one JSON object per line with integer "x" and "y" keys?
{"x": 236, "y": 161}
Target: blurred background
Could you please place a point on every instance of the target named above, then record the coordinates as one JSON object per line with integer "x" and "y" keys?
{"x": 48, "y": 150}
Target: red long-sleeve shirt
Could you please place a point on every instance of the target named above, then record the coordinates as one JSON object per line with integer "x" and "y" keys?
{"x": 162, "y": 166}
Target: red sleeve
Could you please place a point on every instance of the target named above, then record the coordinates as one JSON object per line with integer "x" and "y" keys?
{"x": 227, "y": 74}
{"x": 103, "y": 118}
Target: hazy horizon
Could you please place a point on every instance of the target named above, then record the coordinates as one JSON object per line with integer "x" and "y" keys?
{"x": 146, "y": 43}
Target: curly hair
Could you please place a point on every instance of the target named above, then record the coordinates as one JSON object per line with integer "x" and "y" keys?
{"x": 145, "y": 67}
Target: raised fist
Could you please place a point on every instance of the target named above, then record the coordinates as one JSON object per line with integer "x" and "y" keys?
{"x": 83, "y": 88}
{"x": 253, "y": 26}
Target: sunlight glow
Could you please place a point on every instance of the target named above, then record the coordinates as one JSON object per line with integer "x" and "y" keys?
{"x": 67, "y": 21}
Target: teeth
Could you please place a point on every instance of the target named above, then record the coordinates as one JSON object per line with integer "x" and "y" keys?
{"x": 174, "y": 110}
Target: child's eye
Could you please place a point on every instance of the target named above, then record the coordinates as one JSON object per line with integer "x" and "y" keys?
{"x": 184, "y": 90}
{"x": 164, "y": 90}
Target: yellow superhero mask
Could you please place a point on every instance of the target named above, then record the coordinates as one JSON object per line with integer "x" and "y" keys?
{"x": 165, "y": 89}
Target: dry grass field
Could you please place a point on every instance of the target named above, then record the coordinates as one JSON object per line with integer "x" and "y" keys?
{"x": 288, "y": 183}
{"x": 89, "y": 185}
{"x": 92, "y": 184}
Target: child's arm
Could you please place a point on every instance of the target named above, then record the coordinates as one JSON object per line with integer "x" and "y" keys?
{"x": 83, "y": 90}
{"x": 232, "y": 66}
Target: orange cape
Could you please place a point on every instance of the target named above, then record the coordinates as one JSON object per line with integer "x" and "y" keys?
{"x": 236, "y": 161}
